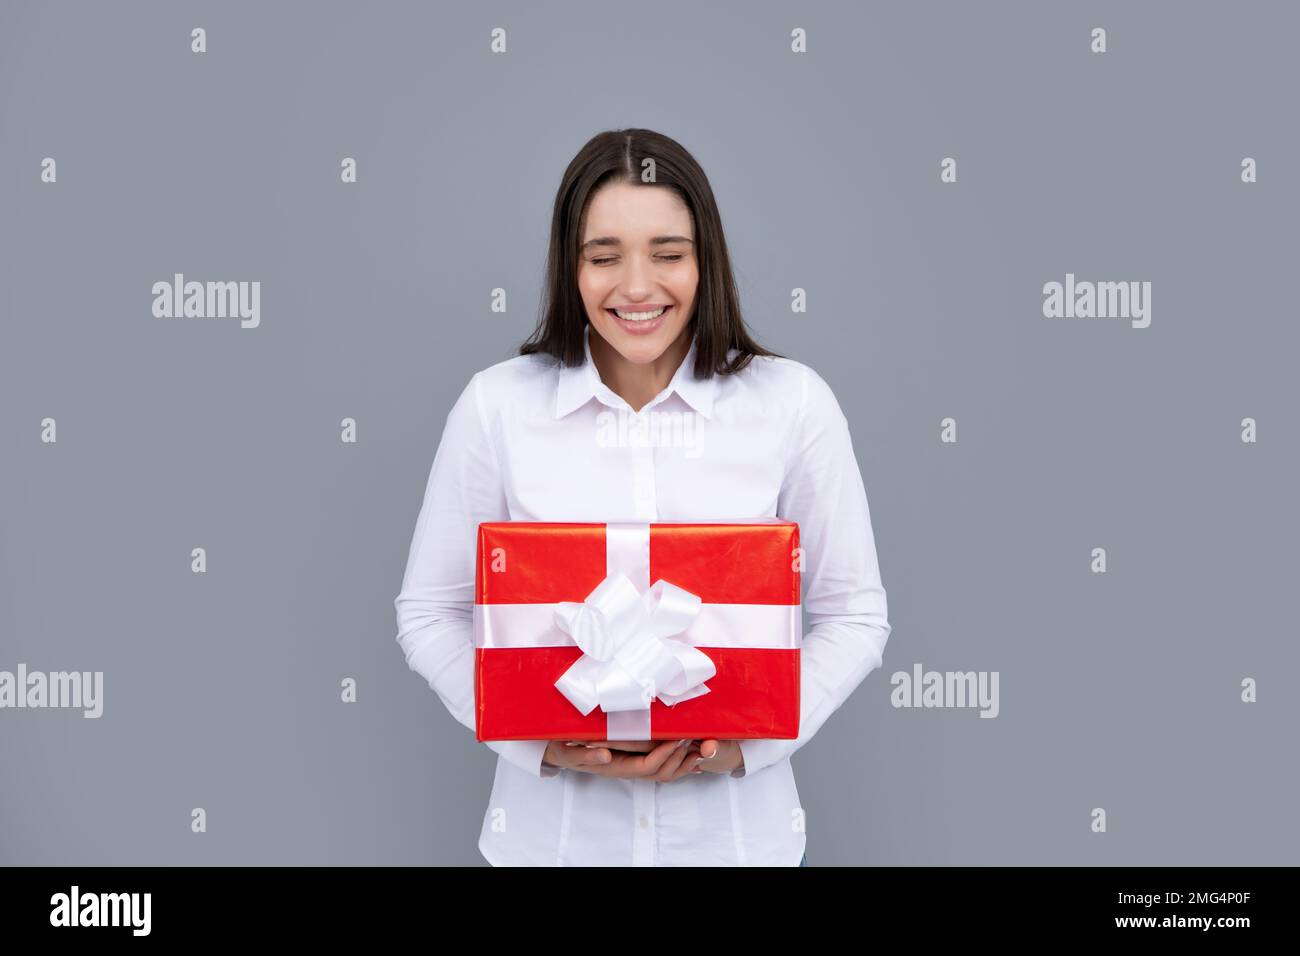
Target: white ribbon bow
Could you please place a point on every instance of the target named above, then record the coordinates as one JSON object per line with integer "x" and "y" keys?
{"x": 630, "y": 654}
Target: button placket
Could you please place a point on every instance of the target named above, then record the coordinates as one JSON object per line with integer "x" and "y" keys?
{"x": 643, "y": 810}
{"x": 644, "y": 496}
{"x": 643, "y": 484}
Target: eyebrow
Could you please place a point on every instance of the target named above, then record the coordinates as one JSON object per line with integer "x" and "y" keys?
{"x": 615, "y": 241}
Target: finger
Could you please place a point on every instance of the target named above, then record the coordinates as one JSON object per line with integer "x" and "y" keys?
{"x": 709, "y": 749}
{"x": 582, "y": 758}
{"x": 637, "y": 746}
{"x": 622, "y": 765}
{"x": 651, "y": 762}
{"x": 674, "y": 761}
{"x": 687, "y": 766}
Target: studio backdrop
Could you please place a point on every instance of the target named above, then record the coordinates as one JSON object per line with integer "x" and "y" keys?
{"x": 1043, "y": 254}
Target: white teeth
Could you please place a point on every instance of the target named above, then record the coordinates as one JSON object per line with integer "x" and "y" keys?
{"x": 639, "y": 316}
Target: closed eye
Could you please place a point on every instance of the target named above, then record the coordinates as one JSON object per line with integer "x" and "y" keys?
{"x": 674, "y": 257}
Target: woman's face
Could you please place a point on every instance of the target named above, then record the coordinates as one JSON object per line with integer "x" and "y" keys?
{"x": 638, "y": 257}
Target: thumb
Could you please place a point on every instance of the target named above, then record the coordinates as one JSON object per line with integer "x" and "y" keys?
{"x": 586, "y": 756}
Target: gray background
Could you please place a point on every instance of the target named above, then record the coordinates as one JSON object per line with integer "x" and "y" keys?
{"x": 222, "y": 690}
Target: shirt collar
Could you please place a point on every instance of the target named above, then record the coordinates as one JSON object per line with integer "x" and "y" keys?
{"x": 579, "y": 384}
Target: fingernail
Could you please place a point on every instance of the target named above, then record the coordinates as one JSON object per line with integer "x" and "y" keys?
{"x": 683, "y": 743}
{"x": 573, "y": 743}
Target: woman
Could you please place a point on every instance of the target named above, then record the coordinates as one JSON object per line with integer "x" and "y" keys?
{"x": 641, "y": 397}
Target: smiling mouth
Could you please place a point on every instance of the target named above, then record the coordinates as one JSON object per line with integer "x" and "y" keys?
{"x": 639, "y": 316}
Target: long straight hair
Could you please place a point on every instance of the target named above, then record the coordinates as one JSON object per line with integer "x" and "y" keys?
{"x": 617, "y": 156}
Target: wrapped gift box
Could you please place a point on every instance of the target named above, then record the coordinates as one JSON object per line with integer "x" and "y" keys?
{"x": 636, "y": 631}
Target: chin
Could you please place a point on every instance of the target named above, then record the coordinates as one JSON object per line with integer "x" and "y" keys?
{"x": 641, "y": 350}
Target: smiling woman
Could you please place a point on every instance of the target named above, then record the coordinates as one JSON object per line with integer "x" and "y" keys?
{"x": 600, "y": 419}
{"x": 651, "y": 266}
{"x": 637, "y": 277}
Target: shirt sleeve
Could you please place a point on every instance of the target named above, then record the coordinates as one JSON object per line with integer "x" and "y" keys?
{"x": 844, "y": 610}
{"x": 436, "y": 605}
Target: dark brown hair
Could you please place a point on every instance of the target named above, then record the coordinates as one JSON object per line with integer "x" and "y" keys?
{"x": 616, "y": 156}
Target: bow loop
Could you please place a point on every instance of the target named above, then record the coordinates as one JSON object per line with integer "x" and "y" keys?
{"x": 632, "y": 651}
{"x": 613, "y": 608}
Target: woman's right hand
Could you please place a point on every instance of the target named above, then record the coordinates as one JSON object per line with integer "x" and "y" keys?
{"x": 663, "y": 761}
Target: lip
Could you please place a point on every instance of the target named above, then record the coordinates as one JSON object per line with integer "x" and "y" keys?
{"x": 641, "y": 328}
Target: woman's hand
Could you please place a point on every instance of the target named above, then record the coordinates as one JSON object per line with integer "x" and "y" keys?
{"x": 660, "y": 760}
{"x": 636, "y": 746}
{"x": 724, "y": 755}
{"x": 719, "y": 756}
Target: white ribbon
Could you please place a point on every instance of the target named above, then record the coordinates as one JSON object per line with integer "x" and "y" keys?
{"x": 633, "y": 652}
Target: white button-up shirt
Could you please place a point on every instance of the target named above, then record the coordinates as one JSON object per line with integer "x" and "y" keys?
{"x": 530, "y": 440}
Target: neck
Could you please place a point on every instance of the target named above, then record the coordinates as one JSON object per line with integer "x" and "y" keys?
{"x": 638, "y": 384}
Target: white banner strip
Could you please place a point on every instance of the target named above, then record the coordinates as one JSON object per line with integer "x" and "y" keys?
{"x": 627, "y": 724}
{"x": 718, "y": 625}
{"x": 627, "y": 549}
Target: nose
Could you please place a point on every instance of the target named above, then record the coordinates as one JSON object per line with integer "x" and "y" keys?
{"x": 636, "y": 280}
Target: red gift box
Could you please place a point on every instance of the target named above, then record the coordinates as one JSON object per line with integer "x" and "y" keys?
{"x": 690, "y": 630}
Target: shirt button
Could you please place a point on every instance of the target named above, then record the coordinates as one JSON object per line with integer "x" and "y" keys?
{"x": 644, "y": 823}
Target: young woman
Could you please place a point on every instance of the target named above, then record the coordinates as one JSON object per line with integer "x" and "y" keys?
{"x": 641, "y": 325}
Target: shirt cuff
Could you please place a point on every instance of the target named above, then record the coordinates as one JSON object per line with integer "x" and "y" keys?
{"x": 758, "y": 754}
{"x": 743, "y": 769}
{"x": 526, "y": 755}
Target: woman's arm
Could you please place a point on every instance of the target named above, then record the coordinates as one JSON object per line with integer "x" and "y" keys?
{"x": 435, "y": 607}
{"x": 844, "y": 610}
